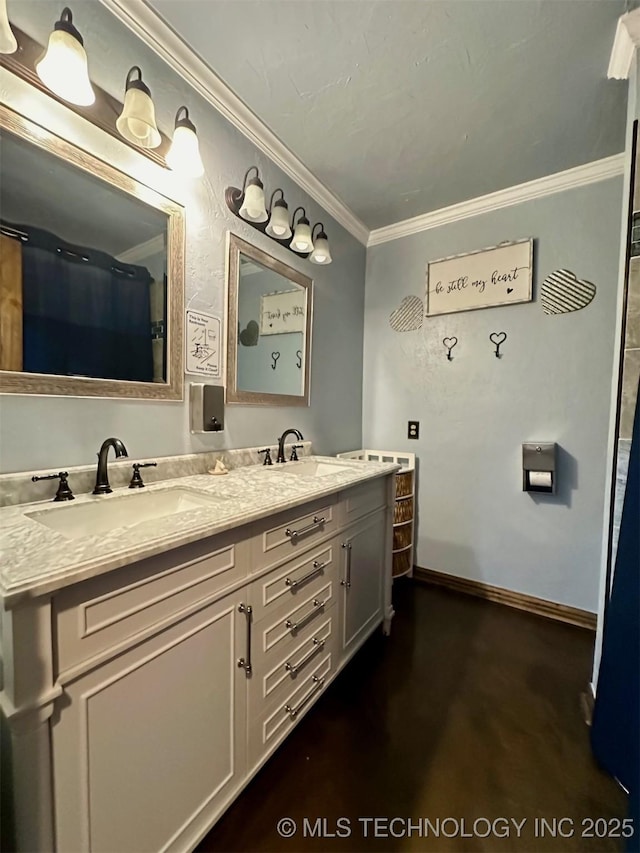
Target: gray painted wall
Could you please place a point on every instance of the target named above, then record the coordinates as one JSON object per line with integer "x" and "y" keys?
{"x": 552, "y": 384}
{"x": 41, "y": 432}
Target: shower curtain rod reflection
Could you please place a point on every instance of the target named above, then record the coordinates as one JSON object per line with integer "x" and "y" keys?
{"x": 51, "y": 242}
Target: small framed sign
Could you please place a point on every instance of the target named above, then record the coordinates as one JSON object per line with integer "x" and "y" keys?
{"x": 499, "y": 275}
{"x": 202, "y": 340}
{"x": 283, "y": 312}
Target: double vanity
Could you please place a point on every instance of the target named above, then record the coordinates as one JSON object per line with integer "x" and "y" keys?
{"x": 159, "y": 644}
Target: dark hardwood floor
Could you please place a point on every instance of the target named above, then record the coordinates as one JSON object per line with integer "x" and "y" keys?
{"x": 469, "y": 711}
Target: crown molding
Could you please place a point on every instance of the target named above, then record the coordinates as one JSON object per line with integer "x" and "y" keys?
{"x": 599, "y": 170}
{"x": 626, "y": 40}
{"x": 154, "y": 246}
{"x": 149, "y": 27}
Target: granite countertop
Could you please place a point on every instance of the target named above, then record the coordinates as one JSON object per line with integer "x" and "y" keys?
{"x": 37, "y": 560}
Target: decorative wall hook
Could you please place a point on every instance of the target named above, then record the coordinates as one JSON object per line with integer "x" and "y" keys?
{"x": 275, "y": 356}
{"x": 299, "y": 358}
{"x": 498, "y": 338}
{"x": 449, "y": 344}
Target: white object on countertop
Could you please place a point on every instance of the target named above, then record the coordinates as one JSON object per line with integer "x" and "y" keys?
{"x": 219, "y": 468}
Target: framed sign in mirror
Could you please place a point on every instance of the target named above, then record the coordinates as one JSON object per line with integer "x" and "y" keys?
{"x": 269, "y": 310}
{"x": 92, "y": 274}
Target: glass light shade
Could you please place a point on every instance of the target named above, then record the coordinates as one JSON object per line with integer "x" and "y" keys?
{"x": 63, "y": 69}
{"x": 302, "y": 241}
{"x": 253, "y": 209}
{"x": 137, "y": 121}
{"x": 184, "y": 154}
{"x": 278, "y": 226}
{"x": 321, "y": 253}
{"x": 8, "y": 43}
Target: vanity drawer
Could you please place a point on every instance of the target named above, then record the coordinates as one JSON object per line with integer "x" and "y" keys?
{"x": 363, "y": 499}
{"x": 280, "y": 629}
{"x": 287, "y": 663}
{"x": 106, "y": 612}
{"x": 269, "y": 729}
{"x": 294, "y": 532}
{"x": 295, "y": 580}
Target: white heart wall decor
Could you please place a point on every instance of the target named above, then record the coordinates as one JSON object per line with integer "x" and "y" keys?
{"x": 563, "y": 292}
{"x": 408, "y": 316}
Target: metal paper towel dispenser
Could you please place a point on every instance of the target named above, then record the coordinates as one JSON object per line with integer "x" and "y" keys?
{"x": 539, "y": 467}
{"x": 207, "y": 407}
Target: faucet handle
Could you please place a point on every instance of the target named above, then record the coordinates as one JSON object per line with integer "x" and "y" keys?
{"x": 136, "y": 480}
{"x": 294, "y": 454}
{"x": 267, "y": 457}
{"x": 64, "y": 492}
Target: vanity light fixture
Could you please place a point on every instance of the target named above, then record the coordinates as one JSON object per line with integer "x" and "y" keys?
{"x": 8, "y": 43}
{"x": 63, "y": 68}
{"x": 137, "y": 121}
{"x": 248, "y": 204}
{"x": 301, "y": 240}
{"x": 278, "y": 226}
{"x": 184, "y": 154}
{"x": 321, "y": 253}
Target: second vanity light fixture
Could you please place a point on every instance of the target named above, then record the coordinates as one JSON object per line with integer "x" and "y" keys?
{"x": 63, "y": 69}
{"x": 248, "y": 204}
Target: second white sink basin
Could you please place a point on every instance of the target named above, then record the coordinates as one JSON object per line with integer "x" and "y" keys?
{"x": 311, "y": 468}
{"x": 109, "y": 513}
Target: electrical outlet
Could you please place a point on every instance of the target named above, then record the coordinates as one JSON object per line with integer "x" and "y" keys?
{"x": 413, "y": 430}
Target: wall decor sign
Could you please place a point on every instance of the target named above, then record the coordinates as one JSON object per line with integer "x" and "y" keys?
{"x": 500, "y": 275}
{"x": 202, "y": 339}
{"x": 283, "y": 312}
{"x": 563, "y": 292}
{"x": 408, "y": 316}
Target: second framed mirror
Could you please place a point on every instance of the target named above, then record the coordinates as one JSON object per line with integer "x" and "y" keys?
{"x": 269, "y": 313}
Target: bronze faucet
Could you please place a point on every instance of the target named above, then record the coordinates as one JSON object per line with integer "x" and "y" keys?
{"x": 281, "y": 441}
{"x": 102, "y": 479}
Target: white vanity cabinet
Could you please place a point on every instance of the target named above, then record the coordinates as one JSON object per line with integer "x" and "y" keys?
{"x": 170, "y": 681}
{"x": 149, "y": 745}
{"x": 362, "y": 580}
{"x": 365, "y": 552}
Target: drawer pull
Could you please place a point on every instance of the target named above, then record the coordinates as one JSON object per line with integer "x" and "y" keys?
{"x": 317, "y": 605}
{"x": 295, "y": 534}
{"x": 347, "y": 581}
{"x": 245, "y": 663}
{"x": 294, "y": 668}
{"x": 317, "y": 568}
{"x": 293, "y": 712}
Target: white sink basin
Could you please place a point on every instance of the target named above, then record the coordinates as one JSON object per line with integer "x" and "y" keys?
{"x": 311, "y": 468}
{"x": 109, "y": 513}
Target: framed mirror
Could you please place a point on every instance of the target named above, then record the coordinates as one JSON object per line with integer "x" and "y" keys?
{"x": 269, "y": 309}
{"x": 91, "y": 274}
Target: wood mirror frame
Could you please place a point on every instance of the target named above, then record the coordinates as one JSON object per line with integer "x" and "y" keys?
{"x": 17, "y": 382}
{"x": 236, "y": 248}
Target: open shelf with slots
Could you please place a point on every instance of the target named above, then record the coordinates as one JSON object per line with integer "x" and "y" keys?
{"x": 404, "y": 511}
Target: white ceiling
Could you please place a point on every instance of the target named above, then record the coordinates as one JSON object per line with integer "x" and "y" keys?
{"x": 401, "y": 107}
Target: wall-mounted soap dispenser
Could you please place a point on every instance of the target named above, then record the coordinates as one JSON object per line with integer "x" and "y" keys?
{"x": 539, "y": 467}
{"x": 207, "y": 407}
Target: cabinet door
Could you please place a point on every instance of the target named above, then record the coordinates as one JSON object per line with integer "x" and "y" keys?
{"x": 361, "y": 579}
{"x": 149, "y": 747}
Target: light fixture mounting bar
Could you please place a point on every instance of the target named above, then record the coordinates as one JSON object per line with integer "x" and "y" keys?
{"x": 103, "y": 113}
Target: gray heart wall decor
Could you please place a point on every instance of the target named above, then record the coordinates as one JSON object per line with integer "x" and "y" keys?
{"x": 249, "y": 336}
{"x": 563, "y": 292}
{"x": 408, "y": 317}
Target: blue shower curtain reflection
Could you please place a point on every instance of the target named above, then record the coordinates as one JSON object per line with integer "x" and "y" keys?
{"x": 84, "y": 312}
